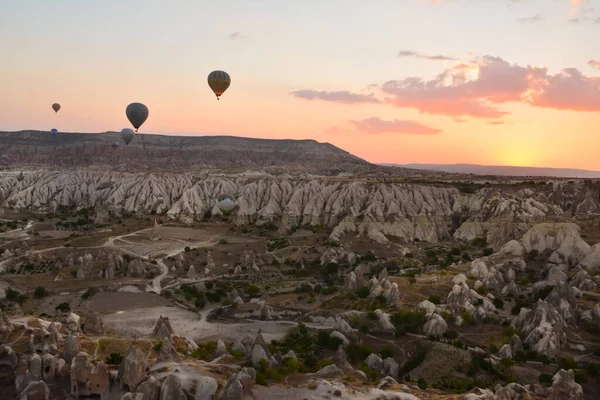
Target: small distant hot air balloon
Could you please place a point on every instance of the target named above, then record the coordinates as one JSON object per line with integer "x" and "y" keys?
{"x": 226, "y": 202}
{"x": 56, "y": 107}
{"x": 53, "y": 131}
{"x": 127, "y": 134}
{"x": 115, "y": 144}
{"x": 137, "y": 114}
{"x": 219, "y": 81}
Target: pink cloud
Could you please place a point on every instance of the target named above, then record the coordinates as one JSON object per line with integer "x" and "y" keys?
{"x": 478, "y": 89}
{"x": 376, "y": 125}
{"x": 337, "y": 97}
{"x": 594, "y": 63}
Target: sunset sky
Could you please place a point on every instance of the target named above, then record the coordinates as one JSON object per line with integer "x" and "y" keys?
{"x": 514, "y": 82}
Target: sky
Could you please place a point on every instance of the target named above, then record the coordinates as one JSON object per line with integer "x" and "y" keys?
{"x": 495, "y": 82}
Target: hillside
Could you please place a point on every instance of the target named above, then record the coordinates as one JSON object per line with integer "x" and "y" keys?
{"x": 504, "y": 170}
{"x": 175, "y": 153}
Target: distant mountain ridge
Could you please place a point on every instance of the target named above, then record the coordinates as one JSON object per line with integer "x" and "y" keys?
{"x": 500, "y": 170}
{"x": 153, "y": 152}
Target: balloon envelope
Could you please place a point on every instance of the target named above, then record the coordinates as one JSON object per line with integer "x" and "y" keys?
{"x": 226, "y": 205}
{"x": 56, "y": 107}
{"x": 53, "y": 131}
{"x": 127, "y": 134}
{"x": 114, "y": 144}
{"x": 219, "y": 81}
{"x": 137, "y": 114}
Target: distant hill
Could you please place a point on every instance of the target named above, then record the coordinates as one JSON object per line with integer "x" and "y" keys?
{"x": 148, "y": 152}
{"x": 503, "y": 170}
{"x": 151, "y": 152}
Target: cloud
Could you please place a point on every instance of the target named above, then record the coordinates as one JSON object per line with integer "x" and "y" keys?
{"x": 344, "y": 97}
{"x": 531, "y": 19}
{"x": 410, "y": 53}
{"x": 582, "y": 13}
{"x": 479, "y": 88}
{"x": 376, "y": 125}
{"x": 476, "y": 89}
{"x": 594, "y": 63}
{"x": 238, "y": 35}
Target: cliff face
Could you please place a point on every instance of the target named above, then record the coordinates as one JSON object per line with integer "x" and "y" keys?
{"x": 175, "y": 153}
{"x": 378, "y": 210}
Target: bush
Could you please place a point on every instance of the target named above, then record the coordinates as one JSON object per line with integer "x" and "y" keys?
{"x": 63, "y": 307}
{"x": 567, "y": 363}
{"x": 358, "y": 352}
{"x": 114, "y": 359}
{"x": 416, "y": 360}
{"x": 362, "y": 292}
{"x": 409, "y": 320}
{"x": 545, "y": 380}
{"x": 40, "y": 292}
{"x": 435, "y": 299}
{"x": 451, "y": 334}
{"x": 498, "y": 303}
{"x": 12, "y": 295}
{"x": 158, "y": 346}
{"x": 222, "y": 241}
{"x": 488, "y": 251}
{"x": 580, "y": 376}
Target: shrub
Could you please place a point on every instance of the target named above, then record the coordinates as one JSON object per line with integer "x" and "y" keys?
{"x": 416, "y": 360}
{"x": 409, "y": 320}
{"x": 222, "y": 241}
{"x": 362, "y": 292}
{"x": 567, "y": 363}
{"x": 488, "y": 251}
{"x": 158, "y": 346}
{"x": 498, "y": 303}
{"x": 114, "y": 359}
{"x": 451, "y": 334}
{"x": 435, "y": 299}
{"x": 63, "y": 307}
{"x": 545, "y": 380}
{"x": 358, "y": 352}
{"x": 40, "y": 292}
{"x": 580, "y": 376}
{"x": 12, "y": 295}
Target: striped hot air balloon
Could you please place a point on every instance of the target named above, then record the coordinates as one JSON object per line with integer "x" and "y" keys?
{"x": 219, "y": 81}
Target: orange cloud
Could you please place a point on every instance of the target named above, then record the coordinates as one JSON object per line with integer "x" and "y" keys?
{"x": 478, "y": 88}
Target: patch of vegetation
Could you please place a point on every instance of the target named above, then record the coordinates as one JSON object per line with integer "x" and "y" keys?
{"x": 417, "y": 358}
{"x": 89, "y": 293}
{"x": 63, "y": 307}
{"x": 158, "y": 346}
{"x": 435, "y": 299}
{"x": 205, "y": 351}
{"x": 309, "y": 347}
{"x": 279, "y": 243}
{"x": 40, "y": 292}
{"x": 545, "y": 380}
{"x": 408, "y": 321}
{"x": 114, "y": 359}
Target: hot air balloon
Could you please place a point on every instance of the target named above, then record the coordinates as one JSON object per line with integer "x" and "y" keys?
{"x": 56, "y": 107}
{"x": 226, "y": 202}
{"x": 127, "y": 134}
{"x": 219, "y": 81}
{"x": 137, "y": 114}
{"x": 115, "y": 144}
{"x": 53, "y": 131}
